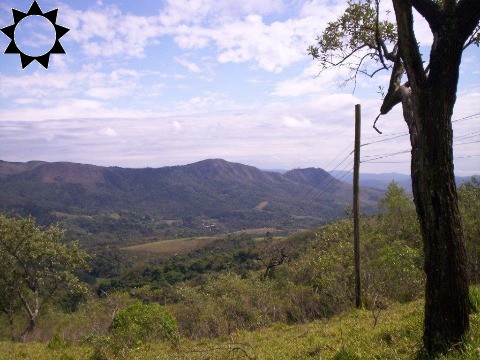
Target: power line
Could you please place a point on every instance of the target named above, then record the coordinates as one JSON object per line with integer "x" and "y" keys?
{"x": 304, "y": 196}
{"x": 385, "y": 156}
{"x": 467, "y": 136}
{"x": 470, "y": 142}
{"x": 387, "y": 162}
{"x": 384, "y": 135}
{"x": 382, "y": 140}
{"x": 327, "y": 178}
{"x": 366, "y": 158}
{"x": 331, "y": 183}
{"x": 469, "y": 117}
{"x": 408, "y": 161}
{"x": 323, "y": 183}
{"x": 400, "y": 134}
{"x": 323, "y": 187}
{"x": 466, "y": 156}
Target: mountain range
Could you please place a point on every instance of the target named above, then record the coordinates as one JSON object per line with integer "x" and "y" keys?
{"x": 120, "y": 205}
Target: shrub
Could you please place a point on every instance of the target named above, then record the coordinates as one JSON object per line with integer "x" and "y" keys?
{"x": 138, "y": 324}
{"x": 131, "y": 328}
{"x": 475, "y": 298}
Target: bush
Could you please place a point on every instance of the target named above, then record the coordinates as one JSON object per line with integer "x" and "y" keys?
{"x": 475, "y": 298}
{"x": 131, "y": 328}
{"x": 138, "y": 324}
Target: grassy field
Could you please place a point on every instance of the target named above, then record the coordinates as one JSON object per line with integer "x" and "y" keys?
{"x": 352, "y": 335}
{"x": 166, "y": 248}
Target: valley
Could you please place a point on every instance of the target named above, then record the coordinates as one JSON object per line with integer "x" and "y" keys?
{"x": 102, "y": 206}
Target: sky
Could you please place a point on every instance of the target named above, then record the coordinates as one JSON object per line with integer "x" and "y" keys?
{"x": 151, "y": 83}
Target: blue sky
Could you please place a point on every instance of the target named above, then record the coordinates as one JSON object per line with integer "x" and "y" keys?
{"x": 156, "y": 83}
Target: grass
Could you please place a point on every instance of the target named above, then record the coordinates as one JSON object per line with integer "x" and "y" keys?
{"x": 352, "y": 335}
{"x": 165, "y": 248}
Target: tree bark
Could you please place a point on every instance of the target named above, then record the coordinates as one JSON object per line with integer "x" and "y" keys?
{"x": 11, "y": 324}
{"x": 428, "y": 109}
{"x": 433, "y": 184}
{"x": 33, "y": 314}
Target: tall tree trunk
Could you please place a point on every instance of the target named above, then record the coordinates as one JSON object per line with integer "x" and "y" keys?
{"x": 447, "y": 306}
{"x": 428, "y": 114}
{"x": 446, "y": 291}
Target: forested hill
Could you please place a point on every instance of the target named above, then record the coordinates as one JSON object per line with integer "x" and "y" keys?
{"x": 210, "y": 196}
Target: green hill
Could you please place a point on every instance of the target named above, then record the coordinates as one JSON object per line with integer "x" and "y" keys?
{"x": 116, "y": 205}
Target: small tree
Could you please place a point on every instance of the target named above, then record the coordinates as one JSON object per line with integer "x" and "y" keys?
{"x": 364, "y": 43}
{"x": 398, "y": 217}
{"x": 469, "y": 201}
{"x": 34, "y": 267}
{"x": 272, "y": 254}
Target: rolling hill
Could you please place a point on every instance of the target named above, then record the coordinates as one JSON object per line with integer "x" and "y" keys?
{"x": 116, "y": 205}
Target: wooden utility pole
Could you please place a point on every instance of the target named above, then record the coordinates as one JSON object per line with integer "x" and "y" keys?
{"x": 356, "y": 207}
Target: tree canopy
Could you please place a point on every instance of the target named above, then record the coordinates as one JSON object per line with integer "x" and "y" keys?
{"x": 35, "y": 266}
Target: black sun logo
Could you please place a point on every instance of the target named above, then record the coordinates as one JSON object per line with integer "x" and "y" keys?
{"x": 19, "y": 16}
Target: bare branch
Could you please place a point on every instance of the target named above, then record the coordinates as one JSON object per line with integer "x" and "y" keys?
{"x": 468, "y": 14}
{"x": 474, "y": 38}
{"x": 408, "y": 45}
{"x": 393, "y": 97}
{"x": 375, "y": 124}
{"x": 381, "y": 47}
{"x": 430, "y": 10}
{"x": 344, "y": 58}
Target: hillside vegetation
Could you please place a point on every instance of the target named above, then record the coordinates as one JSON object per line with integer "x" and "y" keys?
{"x": 117, "y": 206}
{"x": 242, "y": 297}
{"x": 350, "y": 335}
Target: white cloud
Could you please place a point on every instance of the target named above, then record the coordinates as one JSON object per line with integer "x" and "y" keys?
{"x": 176, "y": 125}
{"x": 271, "y": 47}
{"x": 311, "y": 81}
{"x": 109, "y": 132}
{"x": 106, "y": 92}
{"x": 266, "y": 119}
{"x": 292, "y": 122}
{"x": 197, "y": 11}
{"x": 50, "y": 87}
{"x": 192, "y": 67}
{"x": 107, "y": 31}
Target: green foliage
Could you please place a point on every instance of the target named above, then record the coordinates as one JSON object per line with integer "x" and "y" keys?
{"x": 90, "y": 320}
{"x": 34, "y": 267}
{"x": 393, "y": 271}
{"x": 392, "y": 249}
{"x": 139, "y": 323}
{"x": 354, "y": 33}
{"x": 327, "y": 267}
{"x": 58, "y": 342}
{"x": 228, "y": 302}
{"x": 316, "y": 282}
{"x": 398, "y": 218}
{"x": 469, "y": 203}
{"x": 474, "y": 295}
{"x": 230, "y": 253}
{"x": 133, "y": 327}
{"x": 118, "y": 207}
{"x": 397, "y": 337}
